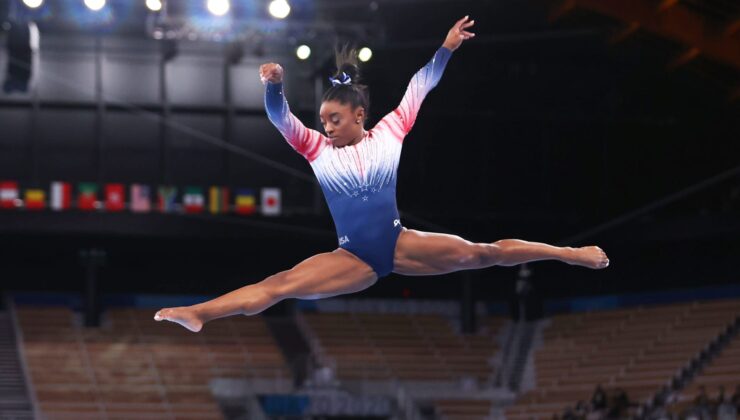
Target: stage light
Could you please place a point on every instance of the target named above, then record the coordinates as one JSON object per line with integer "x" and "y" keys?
{"x": 365, "y": 54}
{"x": 303, "y": 52}
{"x": 218, "y": 7}
{"x": 279, "y": 9}
{"x": 95, "y": 5}
{"x": 154, "y": 5}
{"x": 33, "y": 4}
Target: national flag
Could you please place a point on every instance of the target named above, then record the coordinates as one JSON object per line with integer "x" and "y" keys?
{"x": 114, "y": 197}
{"x": 8, "y": 194}
{"x": 193, "y": 200}
{"x": 245, "y": 201}
{"x": 87, "y": 196}
{"x": 218, "y": 200}
{"x": 140, "y": 198}
{"x": 35, "y": 199}
{"x": 271, "y": 202}
{"x": 166, "y": 197}
{"x": 61, "y": 195}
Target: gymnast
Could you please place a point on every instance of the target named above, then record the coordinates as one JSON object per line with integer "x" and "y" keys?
{"x": 356, "y": 169}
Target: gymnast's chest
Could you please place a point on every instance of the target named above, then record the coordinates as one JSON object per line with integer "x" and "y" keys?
{"x": 361, "y": 161}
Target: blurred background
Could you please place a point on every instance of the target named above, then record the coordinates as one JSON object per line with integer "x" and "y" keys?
{"x": 138, "y": 170}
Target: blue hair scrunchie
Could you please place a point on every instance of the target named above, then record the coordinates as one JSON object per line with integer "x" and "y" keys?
{"x": 343, "y": 79}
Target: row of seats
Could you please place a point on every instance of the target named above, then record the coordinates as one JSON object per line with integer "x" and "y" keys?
{"x": 132, "y": 366}
{"x": 404, "y": 347}
{"x": 638, "y": 350}
{"x": 722, "y": 372}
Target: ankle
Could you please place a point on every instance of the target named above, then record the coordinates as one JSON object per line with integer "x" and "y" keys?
{"x": 196, "y": 311}
{"x": 568, "y": 253}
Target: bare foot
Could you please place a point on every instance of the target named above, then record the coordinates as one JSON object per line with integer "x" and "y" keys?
{"x": 590, "y": 257}
{"x": 182, "y": 315}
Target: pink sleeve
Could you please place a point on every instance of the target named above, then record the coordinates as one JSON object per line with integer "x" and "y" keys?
{"x": 402, "y": 119}
{"x": 305, "y": 141}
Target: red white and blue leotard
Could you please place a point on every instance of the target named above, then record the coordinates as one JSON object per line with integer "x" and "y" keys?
{"x": 359, "y": 181}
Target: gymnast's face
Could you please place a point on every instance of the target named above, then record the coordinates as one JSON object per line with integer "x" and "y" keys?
{"x": 342, "y": 124}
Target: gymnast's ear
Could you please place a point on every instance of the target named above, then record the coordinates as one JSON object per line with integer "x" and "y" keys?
{"x": 359, "y": 114}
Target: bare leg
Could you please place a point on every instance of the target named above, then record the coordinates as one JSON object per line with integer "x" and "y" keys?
{"x": 423, "y": 253}
{"x": 320, "y": 276}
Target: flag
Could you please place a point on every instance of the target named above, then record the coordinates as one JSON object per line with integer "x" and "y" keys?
{"x": 271, "y": 201}
{"x": 8, "y": 194}
{"x": 245, "y": 201}
{"x": 166, "y": 197}
{"x": 114, "y": 197}
{"x": 218, "y": 200}
{"x": 87, "y": 196}
{"x": 61, "y": 195}
{"x": 140, "y": 198}
{"x": 35, "y": 199}
{"x": 193, "y": 200}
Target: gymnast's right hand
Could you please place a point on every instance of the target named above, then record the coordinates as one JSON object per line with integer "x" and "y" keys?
{"x": 271, "y": 72}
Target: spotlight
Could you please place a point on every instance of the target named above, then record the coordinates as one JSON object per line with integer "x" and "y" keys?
{"x": 33, "y": 3}
{"x": 365, "y": 54}
{"x": 154, "y": 5}
{"x": 218, "y": 7}
{"x": 279, "y": 9}
{"x": 95, "y": 5}
{"x": 303, "y": 52}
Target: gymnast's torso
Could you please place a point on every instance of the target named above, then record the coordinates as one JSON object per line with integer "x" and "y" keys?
{"x": 359, "y": 181}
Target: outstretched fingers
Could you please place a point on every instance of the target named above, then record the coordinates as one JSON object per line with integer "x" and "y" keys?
{"x": 463, "y": 24}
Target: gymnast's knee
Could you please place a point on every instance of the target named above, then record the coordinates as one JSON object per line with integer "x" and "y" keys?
{"x": 466, "y": 256}
{"x": 479, "y": 255}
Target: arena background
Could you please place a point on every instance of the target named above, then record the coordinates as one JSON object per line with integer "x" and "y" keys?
{"x": 575, "y": 123}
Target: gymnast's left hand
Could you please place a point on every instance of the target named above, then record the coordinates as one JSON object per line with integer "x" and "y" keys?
{"x": 458, "y": 33}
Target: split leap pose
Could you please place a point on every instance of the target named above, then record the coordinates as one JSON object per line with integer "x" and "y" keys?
{"x": 357, "y": 173}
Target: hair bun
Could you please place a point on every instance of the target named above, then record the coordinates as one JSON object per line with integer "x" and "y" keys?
{"x": 347, "y": 62}
{"x": 352, "y": 71}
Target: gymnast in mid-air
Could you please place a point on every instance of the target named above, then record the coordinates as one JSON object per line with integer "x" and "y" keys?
{"x": 356, "y": 169}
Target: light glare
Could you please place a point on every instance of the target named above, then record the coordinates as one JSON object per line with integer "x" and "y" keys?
{"x": 303, "y": 52}
{"x": 218, "y": 7}
{"x": 365, "y": 54}
{"x": 154, "y": 5}
{"x": 95, "y": 5}
{"x": 33, "y": 3}
{"x": 279, "y": 9}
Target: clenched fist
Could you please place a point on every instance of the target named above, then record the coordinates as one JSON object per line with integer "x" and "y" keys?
{"x": 271, "y": 72}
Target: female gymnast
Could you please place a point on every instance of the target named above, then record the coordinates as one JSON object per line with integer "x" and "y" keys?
{"x": 357, "y": 173}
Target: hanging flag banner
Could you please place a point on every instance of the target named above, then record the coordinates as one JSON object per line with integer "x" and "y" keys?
{"x": 193, "y": 200}
{"x": 245, "y": 202}
{"x": 114, "y": 197}
{"x": 218, "y": 202}
{"x": 87, "y": 196}
{"x": 166, "y": 199}
{"x": 35, "y": 199}
{"x": 271, "y": 205}
{"x": 141, "y": 201}
{"x": 8, "y": 194}
{"x": 61, "y": 195}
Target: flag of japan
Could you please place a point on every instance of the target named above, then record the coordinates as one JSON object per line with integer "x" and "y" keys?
{"x": 271, "y": 205}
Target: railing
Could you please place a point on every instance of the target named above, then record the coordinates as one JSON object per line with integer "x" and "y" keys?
{"x": 20, "y": 348}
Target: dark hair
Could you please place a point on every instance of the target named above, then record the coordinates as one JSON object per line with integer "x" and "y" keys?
{"x": 354, "y": 94}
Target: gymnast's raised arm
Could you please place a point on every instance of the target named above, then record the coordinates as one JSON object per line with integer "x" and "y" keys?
{"x": 427, "y": 78}
{"x": 305, "y": 141}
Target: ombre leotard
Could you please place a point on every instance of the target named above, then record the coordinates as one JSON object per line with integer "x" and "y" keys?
{"x": 359, "y": 181}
